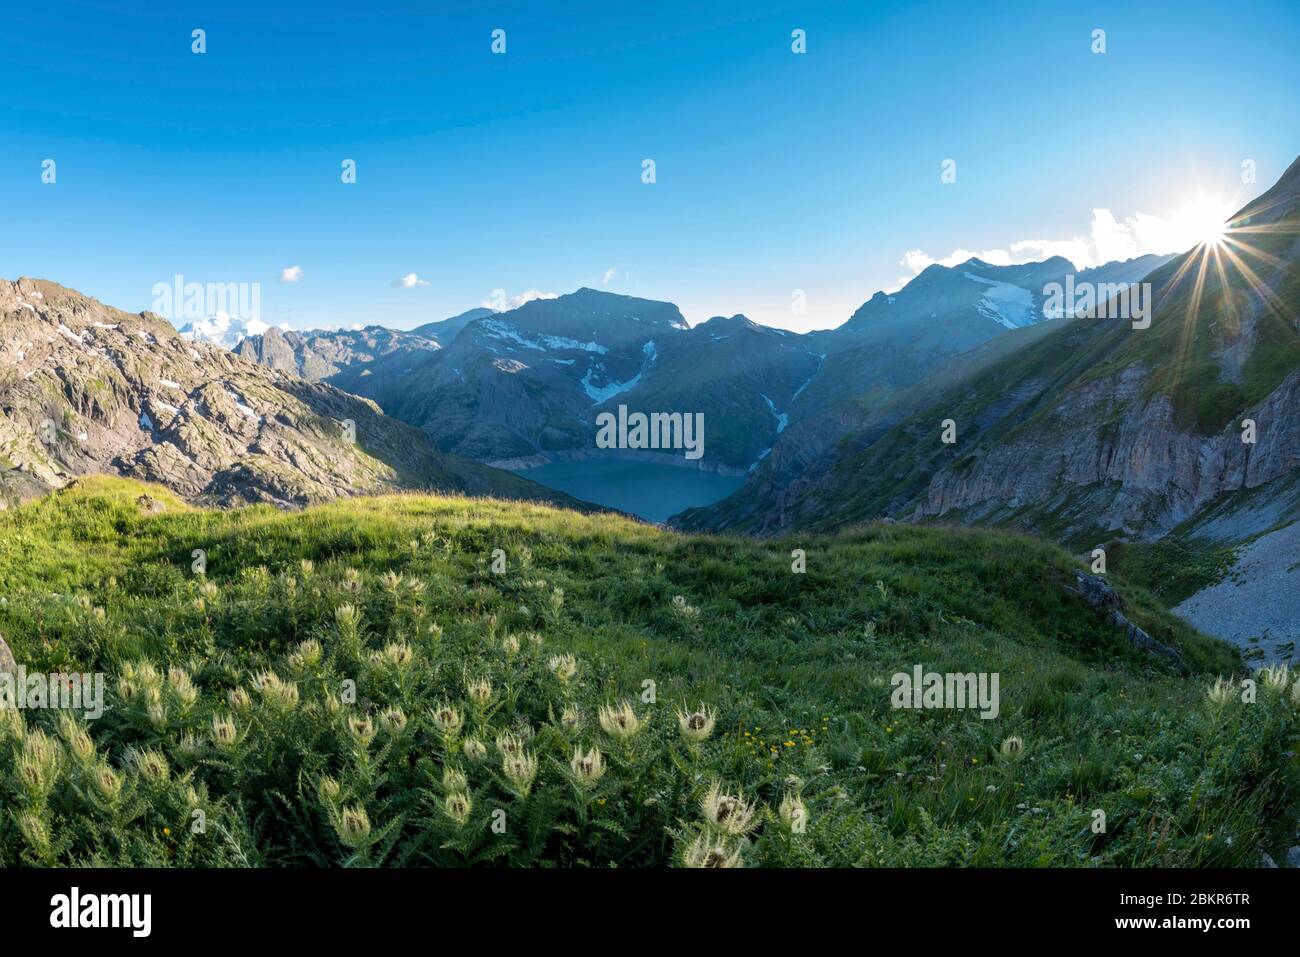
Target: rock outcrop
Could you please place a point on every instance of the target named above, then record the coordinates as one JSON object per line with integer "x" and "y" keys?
{"x": 85, "y": 388}
{"x": 1099, "y": 595}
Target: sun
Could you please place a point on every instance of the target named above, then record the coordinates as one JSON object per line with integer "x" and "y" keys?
{"x": 1203, "y": 222}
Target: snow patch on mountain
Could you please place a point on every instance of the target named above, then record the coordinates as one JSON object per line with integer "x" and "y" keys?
{"x": 225, "y": 330}
{"x": 1005, "y": 303}
{"x": 503, "y": 330}
{"x": 782, "y": 420}
{"x": 599, "y": 394}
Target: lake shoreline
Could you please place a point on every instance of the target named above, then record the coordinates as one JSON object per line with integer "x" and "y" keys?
{"x": 674, "y": 460}
{"x": 651, "y": 490}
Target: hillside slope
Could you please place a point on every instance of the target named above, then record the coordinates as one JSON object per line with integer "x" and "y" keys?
{"x": 227, "y": 695}
{"x": 524, "y": 387}
{"x": 1093, "y": 428}
{"x": 86, "y": 388}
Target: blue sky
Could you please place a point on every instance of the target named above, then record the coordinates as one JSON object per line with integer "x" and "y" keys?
{"x": 478, "y": 172}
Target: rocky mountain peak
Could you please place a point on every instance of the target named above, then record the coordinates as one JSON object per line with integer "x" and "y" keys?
{"x": 86, "y": 388}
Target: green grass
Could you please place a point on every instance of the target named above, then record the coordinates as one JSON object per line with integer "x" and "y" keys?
{"x": 1173, "y": 568}
{"x": 796, "y": 668}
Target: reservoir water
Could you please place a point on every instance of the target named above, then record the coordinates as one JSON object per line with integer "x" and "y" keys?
{"x": 651, "y": 491}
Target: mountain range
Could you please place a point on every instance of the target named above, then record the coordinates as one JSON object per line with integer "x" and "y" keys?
{"x": 1181, "y": 439}
{"x": 966, "y": 396}
{"x": 85, "y": 388}
{"x": 1082, "y": 426}
{"x": 525, "y": 387}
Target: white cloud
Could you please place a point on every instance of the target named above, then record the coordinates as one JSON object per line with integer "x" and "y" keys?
{"x": 1108, "y": 239}
{"x": 501, "y": 302}
{"x": 291, "y": 274}
{"x": 410, "y": 281}
{"x": 609, "y": 274}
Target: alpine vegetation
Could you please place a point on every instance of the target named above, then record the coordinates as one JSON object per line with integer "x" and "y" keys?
{"x": 354, "y": 685}
{"x": 375, "y": 524}
{"x": 61, "y": 691}
{"x": 923, "y": 689}
{"x": 1112, "y": 300}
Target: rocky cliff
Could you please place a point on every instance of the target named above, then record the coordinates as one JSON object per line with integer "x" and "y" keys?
{"x": 86, "y": 388}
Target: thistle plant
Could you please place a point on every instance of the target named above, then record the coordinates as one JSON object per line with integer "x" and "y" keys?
{"x": 183, "y": 692}
{"x": 458, "y": 806}
{"x": 305, "y": 657}
{"x": 78, "y": 741}
{"x": 398, "y": 654}
{"x": 353, "y": 826}
{"x": 36, "y": 833}
{"x": 619, "y": 721}
{"x": 704, "y": 852}
{"x": 107, "y": 784}
{"x": 392, "y": 720}
{"x": 151, "y": 766}
{"x": 587, "y": 768}
{"x": 730, "y": 814}
{"x": 563, "y": 667}
{"x": 509, "y": 745}
{"x": 696, "y": 725}
{"x": 686, "y": 612}
{"x": 329, "y": 792}
{"x": 520, "y": 769}
{"x": 1221, "y": 692}
{"x": 453, "y": 779}
{"x": 224, "y": 733}
{"x": 447, "y": 719}
{"x": 570, "y": 718}
{"x": 479, "y": 692}
{"x": 347, "y": 626}
{"x": 362, "y": 730}
{"x": 238, "y": 709}
{"x": 277, "y": 694}
{"x": 793, "y": 813}
{"x": 12, "y": 725}
{"x": 1275, "y": 677}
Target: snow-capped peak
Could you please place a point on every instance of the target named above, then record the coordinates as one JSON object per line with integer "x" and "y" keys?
{"x": 223, "y": 329}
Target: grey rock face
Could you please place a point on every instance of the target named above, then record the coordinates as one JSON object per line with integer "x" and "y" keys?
{"x": 1166, "y": 473}
{"x": 86, "y": 389}
{"x": 320, "y": 355}
{"x": 1099, "y": 595}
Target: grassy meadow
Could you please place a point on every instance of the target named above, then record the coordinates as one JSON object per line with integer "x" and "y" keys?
{"x": 356, "y": 684}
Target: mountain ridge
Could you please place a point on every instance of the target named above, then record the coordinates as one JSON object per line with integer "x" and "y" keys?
{"x": 524, "y": 386}
{"x": 86, "y": 388}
